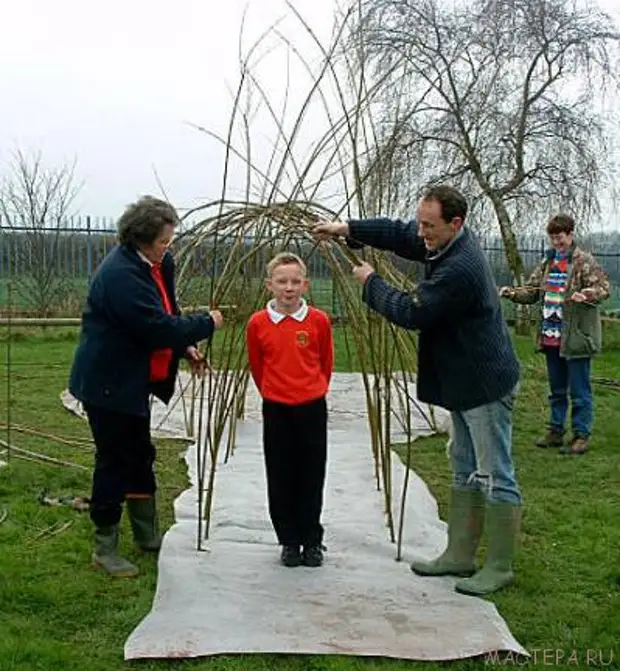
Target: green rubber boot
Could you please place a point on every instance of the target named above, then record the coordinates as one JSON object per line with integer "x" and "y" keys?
{"x": 503, "y": 522}
{"x": 144, "y": 523}
{"x": 105, "y": 556}
{"x": 465, "y": 524}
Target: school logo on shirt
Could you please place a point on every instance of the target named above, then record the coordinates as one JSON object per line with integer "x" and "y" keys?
{"x": 303, "y": 338}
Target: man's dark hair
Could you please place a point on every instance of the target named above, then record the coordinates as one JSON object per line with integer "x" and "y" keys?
{"x": 453, "y": 203}
{"x": 560, "y": 223}
{"x": 143, "y": 221}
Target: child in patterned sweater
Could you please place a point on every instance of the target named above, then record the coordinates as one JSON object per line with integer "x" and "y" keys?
{"x": 570, "y": 284}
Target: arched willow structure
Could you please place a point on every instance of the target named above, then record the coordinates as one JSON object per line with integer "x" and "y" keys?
{"x": 223, "y": 253}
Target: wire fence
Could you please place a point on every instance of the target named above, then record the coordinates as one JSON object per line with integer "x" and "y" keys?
{"x": 45, "y": 271}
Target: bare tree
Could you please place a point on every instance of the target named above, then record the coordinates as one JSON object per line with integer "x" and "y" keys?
{"x": 502, "y": 98}
{"x": 35, "y": 202}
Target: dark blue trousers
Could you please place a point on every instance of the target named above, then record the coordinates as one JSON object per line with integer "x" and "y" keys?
{"x": 123, "y": 462}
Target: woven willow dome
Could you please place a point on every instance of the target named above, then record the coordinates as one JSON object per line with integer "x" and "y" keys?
{"x": 223, "y": 252}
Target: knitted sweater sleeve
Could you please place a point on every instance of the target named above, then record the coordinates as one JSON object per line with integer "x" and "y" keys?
{"x": 442, "y": 298}
{"x": 388, "y": 234}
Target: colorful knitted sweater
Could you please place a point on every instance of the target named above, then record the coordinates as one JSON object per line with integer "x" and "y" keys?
{"x": 553, "y": 299}
{"x": 580, "y": 333}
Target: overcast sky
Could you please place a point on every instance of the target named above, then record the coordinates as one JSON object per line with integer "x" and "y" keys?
{"x": 112, "y": 84}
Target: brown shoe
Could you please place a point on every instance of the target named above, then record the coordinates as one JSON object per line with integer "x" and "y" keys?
{"x": 579, "y": 445}
{"x": 553, "y": 438}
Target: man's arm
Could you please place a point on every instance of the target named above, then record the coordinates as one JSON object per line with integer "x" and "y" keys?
{"x": 439, "y": 299}
{"x": 387, "y": 234}
{"x": 391, "y": 235}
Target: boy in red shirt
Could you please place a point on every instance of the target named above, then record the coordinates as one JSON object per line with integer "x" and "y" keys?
{"x": 291, "y": 356}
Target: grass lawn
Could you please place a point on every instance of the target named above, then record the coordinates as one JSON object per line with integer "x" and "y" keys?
{"x": 57, "y": 613}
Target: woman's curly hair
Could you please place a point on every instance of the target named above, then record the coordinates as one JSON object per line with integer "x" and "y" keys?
{"x": 143, "y": 221}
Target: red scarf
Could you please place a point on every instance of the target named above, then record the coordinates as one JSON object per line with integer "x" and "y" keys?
{"x": 161, "y": 358}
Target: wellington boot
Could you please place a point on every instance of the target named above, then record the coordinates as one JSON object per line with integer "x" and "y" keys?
{"x": 465, "y": 524}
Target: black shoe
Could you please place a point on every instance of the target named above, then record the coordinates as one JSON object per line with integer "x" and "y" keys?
{"x": 290, "y": 555}
{"x": 313, "y": 555}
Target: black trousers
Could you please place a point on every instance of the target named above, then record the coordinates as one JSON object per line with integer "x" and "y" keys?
{"x": 295, "y": 446}
{"x": 124, "y": 459}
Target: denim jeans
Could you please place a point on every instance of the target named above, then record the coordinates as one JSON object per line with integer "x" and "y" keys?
{"x": 481, "y": 451}
{"x": 569, "y": 375}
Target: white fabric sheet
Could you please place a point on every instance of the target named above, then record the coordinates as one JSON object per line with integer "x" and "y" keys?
{"x": 235, "y": 597}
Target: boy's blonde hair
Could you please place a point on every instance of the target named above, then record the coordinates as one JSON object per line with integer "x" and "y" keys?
{"x": 285, "y": 259}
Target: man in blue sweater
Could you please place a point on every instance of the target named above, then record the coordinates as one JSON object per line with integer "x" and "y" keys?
{"x": 466, "y": 364}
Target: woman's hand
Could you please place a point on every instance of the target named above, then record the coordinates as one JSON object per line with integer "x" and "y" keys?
{"x": 579, "y": 297}
{"x": 218, "y": 318}
{"x": 197, "y": 363}
{"x": 587, "y": 295}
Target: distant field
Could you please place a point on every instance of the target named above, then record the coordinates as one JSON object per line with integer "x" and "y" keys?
{"x": 69, "y": 295}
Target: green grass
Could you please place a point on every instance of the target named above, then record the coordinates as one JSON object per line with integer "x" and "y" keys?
{"x": 57, "y": 613}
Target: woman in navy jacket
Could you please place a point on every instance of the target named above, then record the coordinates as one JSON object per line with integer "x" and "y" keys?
{"x": 131, "y": 341}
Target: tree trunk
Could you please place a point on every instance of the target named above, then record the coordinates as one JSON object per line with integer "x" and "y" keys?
{"x": 515, "y": 263}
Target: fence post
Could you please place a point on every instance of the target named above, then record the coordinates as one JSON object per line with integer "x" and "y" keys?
{"x": 89, "y": 250}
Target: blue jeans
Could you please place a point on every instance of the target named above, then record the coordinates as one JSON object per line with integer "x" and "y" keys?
{"x": 569, "y": 375}
{"x": 481, "y": 451}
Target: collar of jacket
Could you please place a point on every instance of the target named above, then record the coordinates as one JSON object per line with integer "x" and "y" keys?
{"x": 132, "y": 254}
{"x": 434, "y": 255}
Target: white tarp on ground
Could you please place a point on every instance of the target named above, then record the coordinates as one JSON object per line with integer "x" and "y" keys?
{"x": 236, "y": 598}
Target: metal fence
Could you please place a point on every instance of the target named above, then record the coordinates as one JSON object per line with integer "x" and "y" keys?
{"x": 50, "y": 267}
